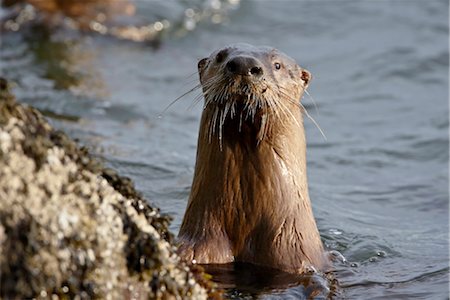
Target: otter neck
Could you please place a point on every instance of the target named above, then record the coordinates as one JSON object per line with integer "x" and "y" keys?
{"x": 255, "y": 191}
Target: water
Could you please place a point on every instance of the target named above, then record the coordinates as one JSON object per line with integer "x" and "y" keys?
{"x": 379, "y": 183}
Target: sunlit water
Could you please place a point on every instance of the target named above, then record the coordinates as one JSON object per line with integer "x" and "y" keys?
{"x": 378, "y": 183}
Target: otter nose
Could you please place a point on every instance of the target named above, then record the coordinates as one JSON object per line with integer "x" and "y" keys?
{"x": 244, "y": 65}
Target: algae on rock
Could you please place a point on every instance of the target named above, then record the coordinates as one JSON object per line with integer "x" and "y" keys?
{"x": 70, "y": 228}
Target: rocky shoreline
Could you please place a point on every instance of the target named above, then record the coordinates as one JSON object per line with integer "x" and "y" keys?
{"x": 69, "y": 228}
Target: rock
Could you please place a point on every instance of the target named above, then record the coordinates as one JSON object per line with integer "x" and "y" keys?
{"x": 71, "y": 229}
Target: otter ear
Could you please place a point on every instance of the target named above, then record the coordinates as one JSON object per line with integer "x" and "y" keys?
{"x": 201, "y": 64}
{"x": 201, "y": 67}
{"x": 306, "y": 77}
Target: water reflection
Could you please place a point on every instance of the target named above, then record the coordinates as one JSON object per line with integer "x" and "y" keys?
{"x": 247, "y": 281}
{"x": 125, "y": 19}
{"x": 65, "y": 63}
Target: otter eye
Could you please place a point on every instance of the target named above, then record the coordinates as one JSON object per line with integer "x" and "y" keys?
{"x": 221, "y": 56}
{"x": 277, "y": 65}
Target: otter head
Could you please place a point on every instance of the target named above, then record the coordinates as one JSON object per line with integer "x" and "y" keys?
{"x": 251, "y": 84}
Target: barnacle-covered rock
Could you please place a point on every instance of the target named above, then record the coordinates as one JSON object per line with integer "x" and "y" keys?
{"x": 71, "y": 229}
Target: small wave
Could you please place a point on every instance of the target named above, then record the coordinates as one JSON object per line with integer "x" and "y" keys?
{"x": 418, "y": 278}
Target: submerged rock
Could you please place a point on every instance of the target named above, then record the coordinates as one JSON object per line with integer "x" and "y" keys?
{"x": 72, "y": 229}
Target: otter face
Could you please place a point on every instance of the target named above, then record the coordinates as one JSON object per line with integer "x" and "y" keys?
{"x": 254, "y": 82}
{"x": 243, "y": 69}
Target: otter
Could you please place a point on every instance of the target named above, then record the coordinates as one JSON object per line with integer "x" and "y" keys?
{"x": 249, "y": 200}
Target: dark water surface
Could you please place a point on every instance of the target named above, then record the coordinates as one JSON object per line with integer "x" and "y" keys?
{"x": 379, "y": 183}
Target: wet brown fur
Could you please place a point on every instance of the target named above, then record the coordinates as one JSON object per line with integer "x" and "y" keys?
{"x": 249, "y": 200}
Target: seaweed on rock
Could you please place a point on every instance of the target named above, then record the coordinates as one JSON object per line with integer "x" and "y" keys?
{"x": 71, "y": 228}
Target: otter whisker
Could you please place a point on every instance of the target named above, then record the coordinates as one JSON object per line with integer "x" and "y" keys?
{"x": 207, "y": 88}
{"x": 215, "y": 117}
{"x": 223, "y": 116}
{"x": 196, "y": 100}
{"x": 283, "y": 113}
{"x": 302, "y": 108}
{"x": 240, "y": 121}
{"x": 233, "y": 110}
{"x": 212, "y": 124}
{"x": 262, "y": 130}
{"x": 265, "y": 122}
{"x": 197, "y": 86}
{"x": 272, "y": 103}
{"x": 313, "y": 101}
{"x": 254, "y": 107}
{"x": 178, "y": 98}
{"x": 285, "y": 109}
{"x": 190, "y": 79}
{"x": 210, "y": 129}
{"x": 221, "y": 95}
{"x": 314, "y": 121}
{"x": 220, "y": 128}
{"x": 263, "y": 105}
